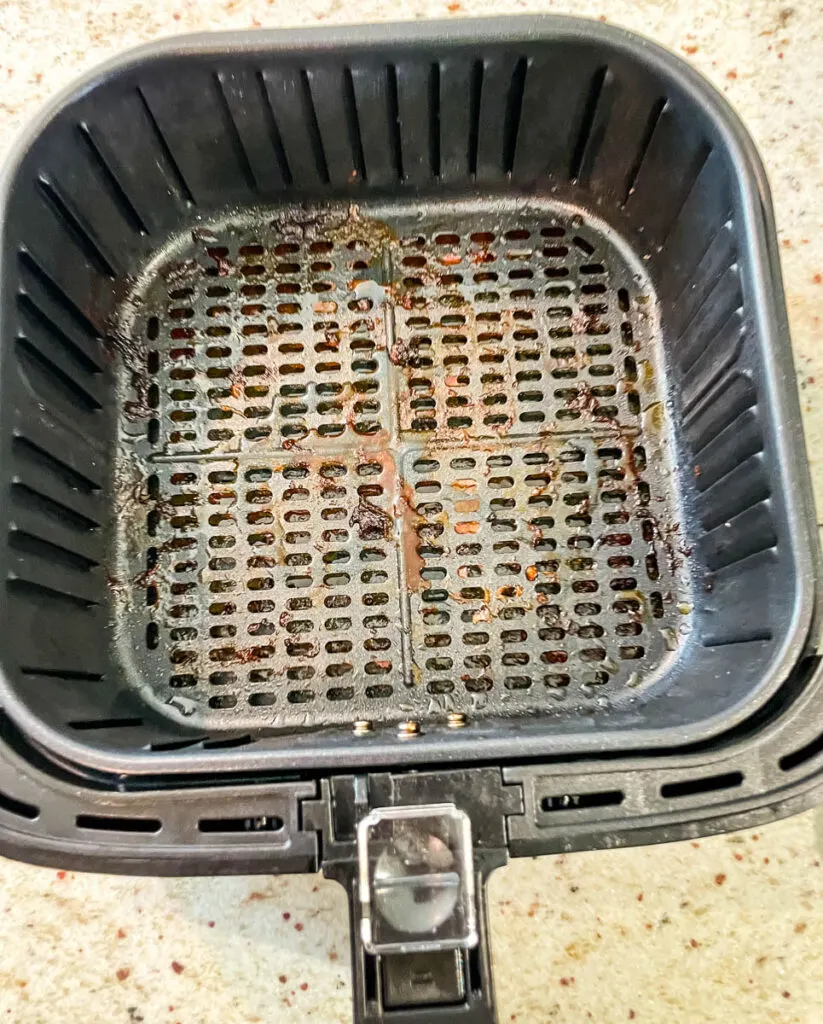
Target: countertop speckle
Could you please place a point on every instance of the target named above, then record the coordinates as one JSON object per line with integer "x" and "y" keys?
{"x": 726, "y": 929}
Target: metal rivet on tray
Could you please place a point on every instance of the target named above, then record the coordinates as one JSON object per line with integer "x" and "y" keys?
{"x": 409, "y": 728}
{"x": 362, "y": 728}
{"x": 456, "y": 720}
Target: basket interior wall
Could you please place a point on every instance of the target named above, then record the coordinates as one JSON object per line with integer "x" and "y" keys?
{"x": 155, "y": 149}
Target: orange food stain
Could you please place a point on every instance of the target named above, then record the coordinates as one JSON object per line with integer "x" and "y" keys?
{"x": 466, "y": 527}
{"x": 467, "y": 505}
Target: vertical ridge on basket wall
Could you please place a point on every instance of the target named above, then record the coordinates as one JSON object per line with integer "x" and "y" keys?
{"x": 395, "y": 140}
{"x": 233, "y": 133}
{"x": 289, "y": 96}
{"x": 475, "y": 96}
{"x": 514, "y": 111}
{"x": 73, "y": 224}
{"x": 643, "y": 144}
{"x": 705, "y": 211}
{"x": 353, "y": 125}
{"x": 734, "y": 510}
{"x": 711, "y": 417}
{"x": 96, "y": 197}
{"x": 61, "y": 672}
{"x": 129, "y": 143}
{"x": 434, "y": 119}
{"x": 745, "y": 485}
{"x": 672, "y": 162}
{"x": 88, "y": 702}
{"x": 749, "y": 533}
{"x": 112, "y": 181}
{"x": 742, "y": 438}
{"x": 73, "y": 362}
{"x": 336, "y": 123}
{"x": 56, "y": 313}
{"x": 76, "y": 227}
{"x": 369, "y": 88}
{"x": 69, "y": 520}
{"x": 161, "y": 143}
{"x": 710, "y": 307}
{"x": 457, "y": 75}
{"x": 414, "y": 108}
{"x": 52, "y": 527}
{"x": 627, "y": 113}
{"x": 594, "y": 109}
{"x": 720, "y": 351}
{"x": 50, "y": 567}
{"x": 556, "y": 105}
{"x": 496, "y": 84}
{"x": 717, "y": 261}
{"x": 55, "y": 501}
{"x": 58, "y": 350}
{"x": 313, "y": 129}
{"x": 255, "y": 134}
{"x": 273, "y": 131}
{"x": 90, "y": 197}
{"x": 194, "y": 124}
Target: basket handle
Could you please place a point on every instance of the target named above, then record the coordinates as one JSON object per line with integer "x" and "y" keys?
{"x": 441, "y": 987}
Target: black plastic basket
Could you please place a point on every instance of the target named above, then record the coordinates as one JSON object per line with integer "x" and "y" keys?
{"x": 389, "y": 398}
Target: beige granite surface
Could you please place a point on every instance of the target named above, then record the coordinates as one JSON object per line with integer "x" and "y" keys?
{"x": 728, "y": 929}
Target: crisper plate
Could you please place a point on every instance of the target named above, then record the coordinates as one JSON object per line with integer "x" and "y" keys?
{"x": 390, "y": 462}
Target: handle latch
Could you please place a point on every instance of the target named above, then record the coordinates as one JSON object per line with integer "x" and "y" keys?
{"x": 416, "y": 880}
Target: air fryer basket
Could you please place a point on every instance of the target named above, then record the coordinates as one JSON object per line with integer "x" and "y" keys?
{"x": 436, "y": 384}
{"x": 414, "y": 396}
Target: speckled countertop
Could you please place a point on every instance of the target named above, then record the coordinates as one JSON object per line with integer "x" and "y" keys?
{"x": 728, "y": 929}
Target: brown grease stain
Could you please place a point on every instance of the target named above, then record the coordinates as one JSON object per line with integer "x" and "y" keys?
{"x": 408, "y": 536}
{"x": 371, "y": 521}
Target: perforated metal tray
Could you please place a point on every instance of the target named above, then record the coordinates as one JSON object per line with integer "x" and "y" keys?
{"x": 397, "y": 463}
